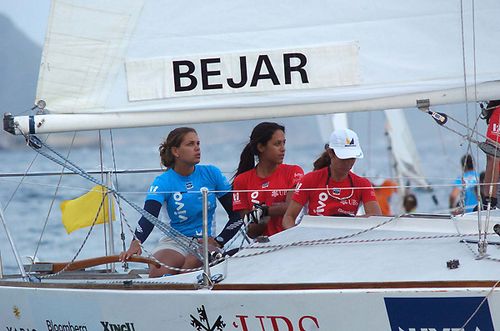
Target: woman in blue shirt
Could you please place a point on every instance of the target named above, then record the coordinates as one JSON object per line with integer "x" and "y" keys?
{"x": 178, "y": 189}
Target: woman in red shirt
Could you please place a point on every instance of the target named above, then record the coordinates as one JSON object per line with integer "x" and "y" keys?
{"x": 334, "y": 190}
{"x": 489, "y": 190}
{"x": 268, "y": 186}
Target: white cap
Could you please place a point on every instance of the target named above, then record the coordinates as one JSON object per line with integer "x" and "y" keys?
{"x": 345, "y": 144}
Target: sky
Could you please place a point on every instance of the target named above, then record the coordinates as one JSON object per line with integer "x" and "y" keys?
{"x": 28, "y": 15}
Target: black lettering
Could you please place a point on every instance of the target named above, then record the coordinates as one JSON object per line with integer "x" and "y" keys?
{"x": 244, "y": 75}
{"x": 105, "y": 324}
{"x": 264, "y": 59}
{"x": 178, "y": 75}
{"x": 299, "y": 68}
{"x": 205, "y": 73}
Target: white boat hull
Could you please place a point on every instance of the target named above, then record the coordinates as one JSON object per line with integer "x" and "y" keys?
{"x": 259, "y": 310}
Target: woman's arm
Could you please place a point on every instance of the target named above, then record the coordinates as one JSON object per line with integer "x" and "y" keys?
{"x": 291, "y": 214}
{"x": 372, "y": 208}
{"x": 233, "y": 224}
{"x": 143, "y": 229}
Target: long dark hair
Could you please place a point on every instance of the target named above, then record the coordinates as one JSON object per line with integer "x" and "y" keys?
{"x": 261, "y": 134}
{"x": 323, "y": 160}
{"x": 174, "y": 139}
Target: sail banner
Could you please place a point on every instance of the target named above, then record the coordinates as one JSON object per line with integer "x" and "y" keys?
{"x": 243, "y": 72}
{"x": 90, "y": 208}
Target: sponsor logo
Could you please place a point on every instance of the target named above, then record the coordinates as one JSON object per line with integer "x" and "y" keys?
{"x": 189, "y": 185}
{"x": 179, "y": 207}
{"x": 346, "y": 212}
{"x": 203, "y": 323}
{"x": 265, "y": 185}
{"x": 153, "y": 189}
{"x": 254, "y": 195}
{"x": 349, "y": 142}
{"x": 495, "y": 128}
{"x": 322, "y": 197}
{"x": 275, "y": 323}
{"x": 297, "y": 189}
{"x": 51, "y": 326}
{"x": 277, "y": 193}
{"x": 243, "y": 72}
{"x": 349, "y": 202}
{"x": 11, "y": 328}
{"x": 439, "y": 314}
{"x": 107, "y": 326}
{"x": 263, "y": 322}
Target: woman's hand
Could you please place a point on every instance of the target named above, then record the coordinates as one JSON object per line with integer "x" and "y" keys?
{"x": 212, "y": 243}
{"x": 135, "y": 248}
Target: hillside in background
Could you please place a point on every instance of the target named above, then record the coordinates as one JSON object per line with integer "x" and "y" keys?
{"x": 19, "y": 72}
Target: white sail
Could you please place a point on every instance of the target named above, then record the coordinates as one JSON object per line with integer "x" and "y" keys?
{"x": 404, "y": 152}
{"x": 328, "y": 123}
{"x": 220, "y": 61}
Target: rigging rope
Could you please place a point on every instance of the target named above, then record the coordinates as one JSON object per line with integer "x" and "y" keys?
{"x": 37, "y": 145}
{"x": 52, "y": 201}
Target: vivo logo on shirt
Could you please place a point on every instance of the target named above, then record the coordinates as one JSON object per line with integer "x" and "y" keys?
{"x": 322, "y": 197}
{"x": 255, "y": 197}
{"x": 439, "y": 314}
{"x": 179, "y": 206}
{"x": 495, "y": 128}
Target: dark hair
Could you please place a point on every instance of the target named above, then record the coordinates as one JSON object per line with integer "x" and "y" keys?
{"x": 174, "y": 139}
{"x": 481, "y": 176}
{"x": 467, "y": 162}
{"x": 409, "y": 202}
{"x": 493, "y": 104}
{"x": 261, "y": 134}
{"x": 323, "y": 160}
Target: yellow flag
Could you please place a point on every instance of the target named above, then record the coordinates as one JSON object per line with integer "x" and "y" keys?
{"x": 81, "y": 212}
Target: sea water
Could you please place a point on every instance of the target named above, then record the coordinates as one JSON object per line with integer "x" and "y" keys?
{"x": 36, "y": 231}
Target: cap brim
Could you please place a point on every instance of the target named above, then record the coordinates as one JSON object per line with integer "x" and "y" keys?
{"x": 348, "y": 153}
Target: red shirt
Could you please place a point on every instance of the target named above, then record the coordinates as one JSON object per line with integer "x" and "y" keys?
{"x": 493, "y": 131}
{"x": 338, "y": 198}
{"x": 268, "y": 191}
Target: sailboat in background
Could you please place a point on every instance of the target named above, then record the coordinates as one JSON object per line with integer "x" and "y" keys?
{"x": 405, "y": 162}
{"x": 135, "y": 63}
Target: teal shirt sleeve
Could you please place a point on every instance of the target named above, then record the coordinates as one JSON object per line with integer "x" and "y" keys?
{"x": 156, "y": 191}
{"x": 222, "y": 185}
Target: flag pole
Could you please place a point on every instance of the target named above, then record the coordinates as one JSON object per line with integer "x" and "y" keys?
{"x": 111, "y": 242}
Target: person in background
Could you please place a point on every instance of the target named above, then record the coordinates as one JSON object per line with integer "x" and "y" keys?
{"x": 410, "y": 203}
{"x": 383, "y": 192}
{"x": 263, "y": 191}
{"x": 334, "y": 190}
{"x": 178, "y": 188}
{"x": 489, "y": 190}
{"x": 466, "y": 185}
